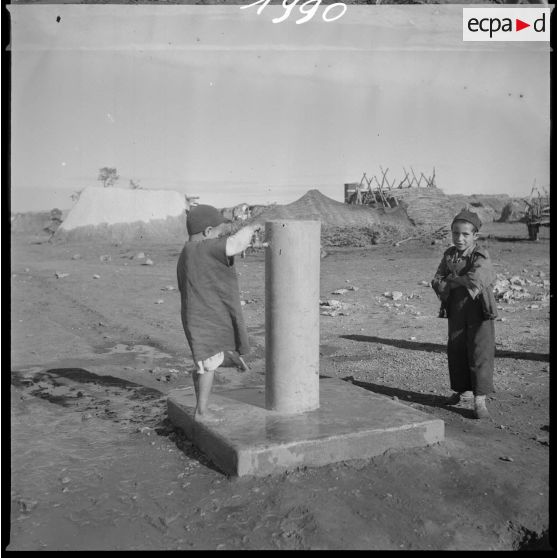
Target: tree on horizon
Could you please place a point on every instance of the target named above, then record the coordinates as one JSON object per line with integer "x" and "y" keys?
{"x": 108, "y": 176}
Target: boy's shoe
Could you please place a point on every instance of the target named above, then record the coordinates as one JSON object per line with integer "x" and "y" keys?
{"x": 460, "y": 397}
{"x": 481, "y": 412}
{"x": 453, "y": 399}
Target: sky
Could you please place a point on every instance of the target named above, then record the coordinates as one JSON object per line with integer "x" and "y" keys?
{"x": 222, "y": 103}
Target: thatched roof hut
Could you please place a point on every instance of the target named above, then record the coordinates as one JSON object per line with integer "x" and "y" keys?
{"x": 512, "y": 212}
{"x": 425, "y": 207}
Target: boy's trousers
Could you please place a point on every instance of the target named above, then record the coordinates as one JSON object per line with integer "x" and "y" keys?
{"x": 471, "y": 345}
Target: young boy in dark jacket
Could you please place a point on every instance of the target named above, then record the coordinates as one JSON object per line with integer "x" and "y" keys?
{"x": 210, "y": 298}
{"x": 463, "y": 283}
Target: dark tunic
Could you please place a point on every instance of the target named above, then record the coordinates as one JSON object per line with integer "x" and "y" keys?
{"x": 470, "y": 310}
{"x": 210, "y": 300}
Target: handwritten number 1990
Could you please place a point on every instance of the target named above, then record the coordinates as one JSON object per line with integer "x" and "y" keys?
{"x": 308, "y": 8}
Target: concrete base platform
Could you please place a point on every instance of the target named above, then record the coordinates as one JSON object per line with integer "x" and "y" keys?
{"x": 351, "y": 423}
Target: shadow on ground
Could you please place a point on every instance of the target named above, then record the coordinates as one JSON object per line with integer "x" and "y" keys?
{"x": 439, "y": 348}
{"x": 410, "y": 396}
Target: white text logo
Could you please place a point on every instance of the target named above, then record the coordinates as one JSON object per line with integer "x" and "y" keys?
{"x": 506, "y": 24}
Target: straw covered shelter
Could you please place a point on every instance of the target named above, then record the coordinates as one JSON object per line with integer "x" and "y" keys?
{"x": 316, "y": 206}
{"x": 427, "y": 208}
{"x": 344, "y": 224}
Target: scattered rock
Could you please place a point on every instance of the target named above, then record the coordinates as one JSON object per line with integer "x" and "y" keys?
{"x": 76, "y": 257}
{"x": 506, "y": 458}
{"x": 105, "y": 258}
{"x": 394, "y": 295}
{"x": 96, "y": 276}
{"x": 60, "y": 275}
{"x": 424, "y": 283}
{"x": 160, "y": 301}
{"x": 27, "y": 506}
{"x": 140, "y": 256}
{"x": 542, "y": 440}
{"x": 332, "y": 307}
{"x": 147, "y": 262}
{"x": 332, "y": 313}
{"x": 143, "y": 429}
{"x": 331, "y": 302}
{"x": 340, "y": 291}
{"x": 169, "y": 288}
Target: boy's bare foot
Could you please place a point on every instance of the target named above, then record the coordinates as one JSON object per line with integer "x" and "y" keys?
{"x": 207, "y": 417}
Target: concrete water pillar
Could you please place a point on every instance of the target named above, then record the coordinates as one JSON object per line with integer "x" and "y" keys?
{"x": 292, "y": 316}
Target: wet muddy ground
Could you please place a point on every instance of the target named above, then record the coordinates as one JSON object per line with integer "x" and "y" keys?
{"x": 97, "y": 344}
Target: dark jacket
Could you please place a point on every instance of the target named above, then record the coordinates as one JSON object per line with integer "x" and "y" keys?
{"x": 474, "y": 272}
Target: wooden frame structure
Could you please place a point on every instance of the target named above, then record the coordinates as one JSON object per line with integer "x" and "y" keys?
{"x": 381, "y": 195}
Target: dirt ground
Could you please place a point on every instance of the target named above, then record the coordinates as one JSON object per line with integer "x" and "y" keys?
{"x": 97, "y": 344}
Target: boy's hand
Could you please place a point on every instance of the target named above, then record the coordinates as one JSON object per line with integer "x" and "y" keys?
{"x": 243, "y": 238}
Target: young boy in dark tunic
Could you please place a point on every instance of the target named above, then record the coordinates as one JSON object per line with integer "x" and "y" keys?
{"x": 463, "y": 283}
{"x": 210, "y": 298}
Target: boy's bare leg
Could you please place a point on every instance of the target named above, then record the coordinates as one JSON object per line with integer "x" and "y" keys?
{"x": 196, "y": 383}
{"x": 204, "y": 382}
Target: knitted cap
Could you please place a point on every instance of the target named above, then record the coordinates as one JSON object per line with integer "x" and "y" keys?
{"x": 469, "y": 216}
{"x": 202, "y": 216}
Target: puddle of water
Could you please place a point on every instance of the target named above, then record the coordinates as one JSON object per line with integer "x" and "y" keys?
{"x": 90, "y": 485}
{"x": 121, "y": 355}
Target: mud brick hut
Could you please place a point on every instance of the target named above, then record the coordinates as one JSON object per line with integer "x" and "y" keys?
{"x": 120, "y": 214}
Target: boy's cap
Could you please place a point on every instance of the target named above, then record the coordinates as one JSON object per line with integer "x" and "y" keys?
{"x": 470, "y": 217}
{"x": 202, "y": 216}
